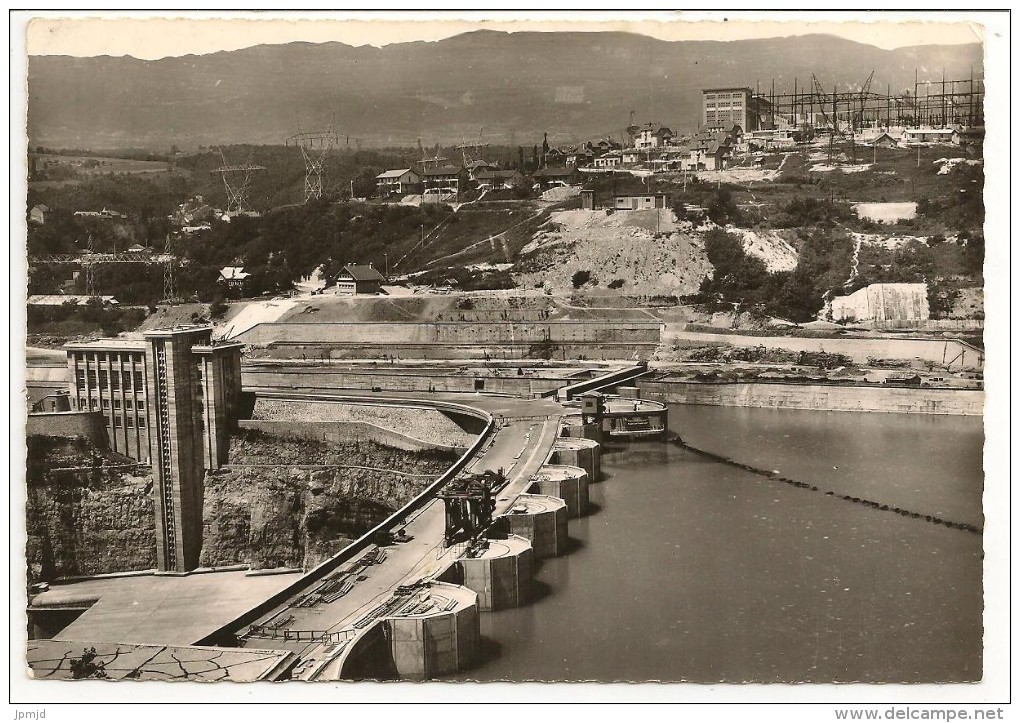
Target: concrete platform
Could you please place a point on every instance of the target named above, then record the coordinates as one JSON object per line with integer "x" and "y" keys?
{"x": 51, "y": 660}
{"x": 159, "y": 609}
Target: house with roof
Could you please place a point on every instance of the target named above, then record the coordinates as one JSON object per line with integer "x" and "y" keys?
{"x": 613, "y": 159}
{"x": 555, "y": 157}
{"x": 640, "y": 202}
{"x": 233, "y": 277}
{"x": 652, "y": 136}
{"x": 38, "y": 213}
{"x": 630, "y": 156}
{"x": 549, "y": 177}
{"x": 709, "y": 151}
{"x": 397, "y": 182}
{"x": 443, "y": 180}
{"x": 884, "y": 140}
{"x": 580, "y": 157}
{"x": 475, "y": 167}
{"x": 355, "y": 279}
{"x": 497, "y": 180}
{"x": 604, "y": 145}
{"x": 947, "y": 136}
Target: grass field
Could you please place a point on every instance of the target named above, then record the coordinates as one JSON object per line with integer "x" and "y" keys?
{"x": 54, "y": 170}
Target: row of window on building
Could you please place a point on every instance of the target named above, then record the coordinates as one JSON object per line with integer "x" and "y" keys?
{"x": 102, "y": 356}
{"x": 106, "y": 404}
{"x": 114, "y": 380}
{"x": 129, "y": 420}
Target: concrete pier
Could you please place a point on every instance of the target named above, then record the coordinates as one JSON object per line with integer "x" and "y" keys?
{"x": 434, "y": 633}
{"x": 542, "y": 520}
{"x": 574, "y": 427}
{"x": 568, "y": 483}
{"x": 632, "y": 418}
{"x": 500, "y": 574}
{"x": 579, "y": 452}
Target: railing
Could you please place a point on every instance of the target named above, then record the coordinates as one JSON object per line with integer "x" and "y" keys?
{"x": 226, "y": 632}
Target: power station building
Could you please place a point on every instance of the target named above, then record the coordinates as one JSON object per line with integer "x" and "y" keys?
{"x": 723, "y": 108}
{"x": 169, "y": 399}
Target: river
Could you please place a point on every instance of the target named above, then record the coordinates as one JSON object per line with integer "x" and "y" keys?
{"x": 693, "y": 570}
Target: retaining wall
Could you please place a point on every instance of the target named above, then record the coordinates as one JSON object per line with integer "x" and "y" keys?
{"x": 820, "y": 397}
{"x": 90, "y": 425}
{"x": 424, "y": 382}
{"x": 950, "y": 352}
{"x": 342, "y": 432}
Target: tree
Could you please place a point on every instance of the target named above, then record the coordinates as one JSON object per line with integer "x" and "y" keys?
{"x": 545, "y": 147}
{"x": 217, "y": 308}
{"x": 974, "y": 254}
{"x": 580, "y": 278}
{"x": 520, "y": 158}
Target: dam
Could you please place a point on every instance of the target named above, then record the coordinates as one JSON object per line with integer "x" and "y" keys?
{"x": 385, "y": 604}
{"x": 400, "y": 603}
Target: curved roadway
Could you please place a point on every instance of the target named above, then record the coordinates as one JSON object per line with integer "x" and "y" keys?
{"x": 520, "y": 444}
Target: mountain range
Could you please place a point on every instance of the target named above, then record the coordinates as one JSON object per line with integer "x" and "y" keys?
{"x": 482, "y": 86}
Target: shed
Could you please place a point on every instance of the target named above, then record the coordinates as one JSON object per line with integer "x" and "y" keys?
{"x": 640, "y": 202}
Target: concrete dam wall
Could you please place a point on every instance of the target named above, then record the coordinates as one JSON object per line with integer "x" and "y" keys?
{"x": 399, "y": 382}
{"x": 819, "y": 397}
{"x": 548, "y": 339}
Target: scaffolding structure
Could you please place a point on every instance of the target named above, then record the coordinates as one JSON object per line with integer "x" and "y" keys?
{"x": 933, "y": 103}
{"x": 90, "y": 260}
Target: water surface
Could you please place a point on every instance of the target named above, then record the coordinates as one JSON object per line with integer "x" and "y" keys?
{"x": 693, "y": 570}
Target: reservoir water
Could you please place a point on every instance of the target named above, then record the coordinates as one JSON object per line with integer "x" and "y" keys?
{"x": 693, "y": 570}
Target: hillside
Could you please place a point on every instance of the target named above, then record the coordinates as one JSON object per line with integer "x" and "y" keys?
{"x": 630, "y": 251}
{"x": 515, "y": 86}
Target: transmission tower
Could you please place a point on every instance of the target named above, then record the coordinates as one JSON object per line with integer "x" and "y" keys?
{"x": 169, "y": 281}
{"x": 315, "y": 146}
{"x": 89, "y": 269}
{"x": 237, "y": 181}
{"x": 475, "y": 148}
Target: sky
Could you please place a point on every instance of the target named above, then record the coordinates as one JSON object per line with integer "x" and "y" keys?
{"x": 155, "y": 35}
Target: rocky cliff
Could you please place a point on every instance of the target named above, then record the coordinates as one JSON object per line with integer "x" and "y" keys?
{"x": 293, "y": 503}
{"x": 280, "y": 503}
{"x": 89, "y": 511}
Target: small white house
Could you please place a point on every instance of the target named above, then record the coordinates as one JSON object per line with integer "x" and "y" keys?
{"x": 401, "y": 181}
{"x": 38, "y": 214}
{"x": 233, "y": 276}
{"x": 613, "y": 159}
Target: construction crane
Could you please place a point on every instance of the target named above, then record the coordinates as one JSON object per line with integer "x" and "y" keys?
{"x": 237, "y": 181}
{"x": 833, "y": 122}
{"x": 865, "y": 89}
{"x": 315, "y": 147}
